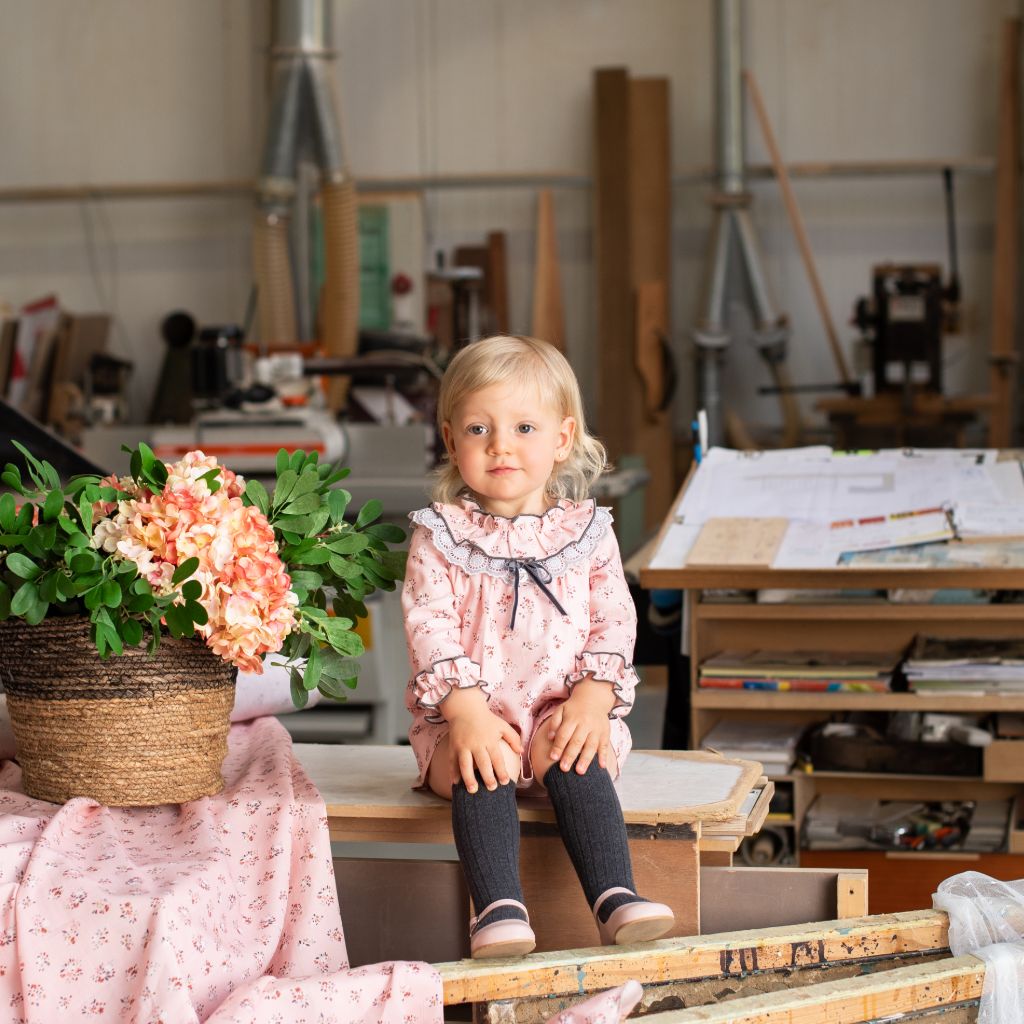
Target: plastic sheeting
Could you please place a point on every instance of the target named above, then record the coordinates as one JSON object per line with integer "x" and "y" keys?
{"x": 986, "y": 918}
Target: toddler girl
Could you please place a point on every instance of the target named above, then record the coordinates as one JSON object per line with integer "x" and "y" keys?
{"x": 520, "y": 630}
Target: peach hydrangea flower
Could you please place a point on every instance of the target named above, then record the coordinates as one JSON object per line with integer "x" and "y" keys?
{"x": 246, "y": 591}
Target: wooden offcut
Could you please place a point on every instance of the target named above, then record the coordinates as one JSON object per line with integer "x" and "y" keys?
{"x": 632, "y": 243}
{"x": 1004, "y": 358}
{"x": 548, "y": 321}
{"x": 892, "y": 996}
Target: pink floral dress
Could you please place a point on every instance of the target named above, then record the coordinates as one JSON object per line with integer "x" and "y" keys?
{"x": 524, "y": 608}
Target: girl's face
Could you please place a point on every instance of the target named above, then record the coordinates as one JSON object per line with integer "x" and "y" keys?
{"x": 505, "y": 442}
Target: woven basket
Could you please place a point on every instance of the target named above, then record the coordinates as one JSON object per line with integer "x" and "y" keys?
{"x": 131, "y": 730}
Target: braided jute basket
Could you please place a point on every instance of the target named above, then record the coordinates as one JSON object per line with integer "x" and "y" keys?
{"x": 131, "y": 730}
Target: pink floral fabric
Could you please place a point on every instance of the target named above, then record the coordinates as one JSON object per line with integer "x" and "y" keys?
{"x": 608, "y": 1007}
{"x": 458, "y": 599}
{"x": 222, "y": 910}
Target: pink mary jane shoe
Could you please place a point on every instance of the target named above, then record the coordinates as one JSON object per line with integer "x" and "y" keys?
{"x": 632, "y": 922}
{"x": 510, "y": 937}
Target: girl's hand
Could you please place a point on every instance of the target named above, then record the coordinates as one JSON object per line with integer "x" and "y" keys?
{"x": 580, "y": 728}
{"x": 475, "y": 738}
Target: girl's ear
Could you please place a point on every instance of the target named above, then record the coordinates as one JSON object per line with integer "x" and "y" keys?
{"x": 449, "y": 440}
{"x": 566, "y": 436}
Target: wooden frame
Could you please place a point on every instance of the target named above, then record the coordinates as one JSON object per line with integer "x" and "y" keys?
{"x": 681, "y": 972}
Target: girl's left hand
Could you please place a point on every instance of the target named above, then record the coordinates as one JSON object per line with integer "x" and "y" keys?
{"x": 580, "y": 728}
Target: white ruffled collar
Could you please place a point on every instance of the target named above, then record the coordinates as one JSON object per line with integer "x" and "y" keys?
{"x": 480, "y": 542}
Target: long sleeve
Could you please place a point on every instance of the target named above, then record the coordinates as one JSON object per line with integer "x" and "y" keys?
{"x": 433, "y": 628}
{"x": 607, "y": 654}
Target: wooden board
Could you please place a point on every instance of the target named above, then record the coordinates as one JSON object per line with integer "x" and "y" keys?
{"x": 371, "y": 787}
{"x": 724, "y": 956}
{"x": 548, "y": 320}
{"x": 738, "y": 540}
{"x": 1004, "y": 370}
{"x": 888, "y": 996}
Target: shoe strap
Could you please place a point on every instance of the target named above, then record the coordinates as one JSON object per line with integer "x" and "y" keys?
{"x": 500, "y": 903}
{"x": 614, "y": 891}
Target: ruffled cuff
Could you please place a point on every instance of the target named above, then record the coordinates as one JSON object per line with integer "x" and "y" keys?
{"x": 433, "y": 685}
{"x": 607, "y": 667}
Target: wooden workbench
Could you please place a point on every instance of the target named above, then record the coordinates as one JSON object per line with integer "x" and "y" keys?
{"x": 679, "y": 807}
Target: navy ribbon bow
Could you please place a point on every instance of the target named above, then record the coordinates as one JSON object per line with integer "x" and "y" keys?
{"x": 538, "y": 572}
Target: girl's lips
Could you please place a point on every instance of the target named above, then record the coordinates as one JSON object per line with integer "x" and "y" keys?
{"x": 501, "y": 470}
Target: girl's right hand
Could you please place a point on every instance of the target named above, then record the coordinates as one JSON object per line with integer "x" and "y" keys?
{"x": 475, "y": 740}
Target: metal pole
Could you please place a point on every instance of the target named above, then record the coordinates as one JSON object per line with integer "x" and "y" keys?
{"x": 729, "y": 95}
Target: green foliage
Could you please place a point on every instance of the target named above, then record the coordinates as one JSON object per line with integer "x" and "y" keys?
{"x": 50, "y": 566}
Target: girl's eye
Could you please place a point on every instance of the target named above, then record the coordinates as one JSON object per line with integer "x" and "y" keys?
{"x": 525, "y": 428}
{"x": 476, "y": 428}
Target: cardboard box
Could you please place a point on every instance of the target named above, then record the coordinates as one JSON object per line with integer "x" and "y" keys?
{"x": 1015, "y": 835}
{"x": 1004, "y": 761}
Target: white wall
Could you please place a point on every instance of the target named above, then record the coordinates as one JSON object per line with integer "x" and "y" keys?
{"x": 143, "y": 90}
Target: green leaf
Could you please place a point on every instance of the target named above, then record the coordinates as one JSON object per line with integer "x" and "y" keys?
{"x": 332, "y": 688}
{"x": 52, "y": 506}
{"x": 7, "y": 512}
{"x": 315, "y": 556}
{"x": 82, "y": 561}
{"x": 212, "y": 479}
{"x": 311, "y": 677}
{"x": 285, "y": 482}
{"x": 23, "y": 567}
{"x": 257, "y": 495}
{"x": 186, "y": 569}
{"x": 46, "y": 534}
{"x": 110, "y": 635}
{"x": 140, "y": 603}
{"x": 337, "y": 502}
{"x": 281, "y": 463}
{"x": 297, "y": 461}
{"x": 307, "y": 579}
{"x": 197, "y": 613}
{"x": 348, "y": 543}
{"x": 344, "y": 568}
{"x": 300, "y": 697}
{"x": 191, "y": 590}
{"x": 48, "y": 586}
{"x": 369, "y": 512}
{"x": 93, "y": 597}
{"x": 25, "y": 597}
{"x": 341, "y": 637}
{"x": 111, "y": 594}
{"x": 85, "y": 513}
{"x": 131, "y": 632}
{"x": 303, "y": 504}
{"x": 387, "y": 532}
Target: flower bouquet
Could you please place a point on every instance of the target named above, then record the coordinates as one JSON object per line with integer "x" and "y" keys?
{"x": 186, "y": 556}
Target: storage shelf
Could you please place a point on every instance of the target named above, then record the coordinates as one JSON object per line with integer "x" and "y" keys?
{"x": 860, "y": 612}
{"x": 774, "y": 700}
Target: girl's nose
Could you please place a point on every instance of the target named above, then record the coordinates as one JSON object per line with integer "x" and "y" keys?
{"x": 499, "y": 442}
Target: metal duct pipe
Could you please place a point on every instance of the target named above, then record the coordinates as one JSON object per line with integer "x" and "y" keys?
{"x": 304, "y": 117}
{"x": 729, "y": 95}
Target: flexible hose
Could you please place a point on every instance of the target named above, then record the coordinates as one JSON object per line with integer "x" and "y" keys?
{"x": 272, "y": 270}
{"x": 339, "y": 303}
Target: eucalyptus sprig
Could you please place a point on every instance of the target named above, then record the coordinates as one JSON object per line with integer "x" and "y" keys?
{"x": 52, "y": 564}
{"x": 334, "y": 565}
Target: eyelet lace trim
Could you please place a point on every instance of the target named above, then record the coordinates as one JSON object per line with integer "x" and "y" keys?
{"x": 466, "y": 555}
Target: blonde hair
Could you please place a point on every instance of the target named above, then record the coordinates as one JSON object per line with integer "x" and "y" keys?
{"x": 525, "y": 361}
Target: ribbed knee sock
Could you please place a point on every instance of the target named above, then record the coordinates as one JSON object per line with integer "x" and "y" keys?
{"x": 590, "y": 820}
{"x": 486, "y": 827}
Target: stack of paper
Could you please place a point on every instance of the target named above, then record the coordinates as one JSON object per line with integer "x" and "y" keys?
{"x": 974, "y": 666}
{"x": 811, "y": 671}
{"x": 773, "y": 743}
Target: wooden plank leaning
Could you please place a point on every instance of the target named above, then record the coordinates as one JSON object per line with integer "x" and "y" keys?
{"x": 689, "y": 972}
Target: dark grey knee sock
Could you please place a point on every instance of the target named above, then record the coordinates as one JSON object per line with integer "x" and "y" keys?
{"x": 486, "y": 827}
{"x": 590, "y": 820}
